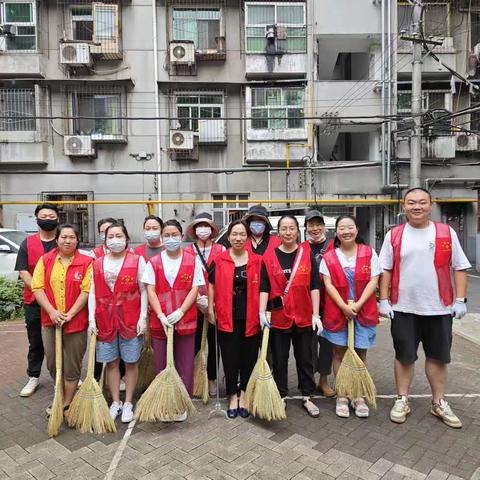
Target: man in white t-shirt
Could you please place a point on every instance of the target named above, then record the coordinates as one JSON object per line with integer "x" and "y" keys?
{"x": 417, "y": 259}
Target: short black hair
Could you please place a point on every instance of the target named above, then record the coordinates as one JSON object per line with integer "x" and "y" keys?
{"x": 49, "y": 206}
{"x": 153, "y": 217}
{"x": 420, "y": 189}
{"x": 63, "y": 226}
{"x": 238, "y": 222}
{"x": 358, "y": 239}
{"x": 119, "y": 225}
{"x": 103, "y": 221}
{"x": 173, "y": 223}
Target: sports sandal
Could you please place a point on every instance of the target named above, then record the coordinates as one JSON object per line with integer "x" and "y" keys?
{"x": 341, "y": 407}
{"x": 360, "y": 407}
{"x": 311, "y": 408}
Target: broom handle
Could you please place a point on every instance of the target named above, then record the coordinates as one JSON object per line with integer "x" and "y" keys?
{"x": 351, "y": 331}
{"x": 58, "y": 355}
{"x": 91, "y": 355}
{"x": 204, "y": 333}
{"x": 266, "y": 335}
{"x": 170, "y": 360}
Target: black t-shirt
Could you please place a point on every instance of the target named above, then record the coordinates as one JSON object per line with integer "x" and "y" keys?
{"x": 239, "y": 304}
{"x": 22, "y": 257}
{"x": 261, "y": 248}
{"x": 318, "y": 250}
{"x": 286, "y": 261}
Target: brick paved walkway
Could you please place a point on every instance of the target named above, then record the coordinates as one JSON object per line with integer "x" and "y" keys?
{"x": 298, "y": 448}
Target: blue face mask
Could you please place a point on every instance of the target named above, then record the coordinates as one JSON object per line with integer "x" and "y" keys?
{"x": 172, "y": 243}
{"x": 257, "y": 228}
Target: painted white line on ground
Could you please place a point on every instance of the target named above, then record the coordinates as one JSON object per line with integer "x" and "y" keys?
{"x": 473, "y": 276}
{"x": 112, "y": 468}
{"x": 13, "y": 331}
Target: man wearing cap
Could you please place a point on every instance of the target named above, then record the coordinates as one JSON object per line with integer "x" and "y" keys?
{"x": 316, "y": 242}
{"x": 260, "y": 226}
{"x": 202, "y": 231}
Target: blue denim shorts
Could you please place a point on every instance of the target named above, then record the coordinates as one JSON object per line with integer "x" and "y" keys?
{"x": 364, "y": 336}
{"x": 128, "y": 350}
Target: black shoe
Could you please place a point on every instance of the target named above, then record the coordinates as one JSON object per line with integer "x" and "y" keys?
{"x": 232, "y": 413}
{"x": 243, "y": 412}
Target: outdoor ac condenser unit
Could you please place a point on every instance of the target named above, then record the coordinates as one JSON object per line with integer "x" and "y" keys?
{"x": 465, "y": 142}
{"x": 75, "y": 54}
{"x": 181, "y": 140}
{"x": 182, "y": 53}
{"x": 78, "y": 146}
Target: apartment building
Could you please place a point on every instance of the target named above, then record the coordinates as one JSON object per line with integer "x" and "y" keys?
{"x": 234, "y": 84}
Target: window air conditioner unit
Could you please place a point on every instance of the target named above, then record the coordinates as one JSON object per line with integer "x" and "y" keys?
{"x": 75, "y": 54}
{"x": 182, "y": 53}
{"x": 181, "y": 140}
{"x": 465, "y": 142}
{"x": 78, "y": 146}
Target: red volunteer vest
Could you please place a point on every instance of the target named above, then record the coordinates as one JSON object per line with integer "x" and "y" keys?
{"x": 172, "y": 298}
{"x": 297, "y": 304}
{"x": 442, "y": 261}
{"x": 224, "y": 271}
{"x": 117, "y": 311}
{"x": 273, "y": 243}
{"x": 99, "y": 251}
{"x": 333, "y": 318}
{"x": 73, "y": 279}
{"x": 34, "y": 251}
{"x": 141, "y": 250}
{"x": 215, "y": 251}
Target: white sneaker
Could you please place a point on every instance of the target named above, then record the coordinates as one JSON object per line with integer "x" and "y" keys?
{"x": 443, "y": 411}
{"x": 30, "y": 387}
{"x": 400, "y": 410}
{"x": 181, "y": 418}
{"x": 127, "y": 412}
{"x": 115, "y": 409}
{"x": 123, "y": 387}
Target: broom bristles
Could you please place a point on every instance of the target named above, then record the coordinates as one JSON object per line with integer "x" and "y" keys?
{"x": 200, "y": 377}
{"x": 165, "y": 398}
{"x": 354, "y": 381}
{"x": 89, "y": 411}
{"x": 146, "y": 369}
{"x": 56, "y": 416}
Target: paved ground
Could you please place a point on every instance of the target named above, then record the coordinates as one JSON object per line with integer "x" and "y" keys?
{"x": 299, "y": 448}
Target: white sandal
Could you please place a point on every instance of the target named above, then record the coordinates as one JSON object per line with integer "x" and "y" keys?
{"x": 361, "y": 408}
{"x": 341, "y": 407}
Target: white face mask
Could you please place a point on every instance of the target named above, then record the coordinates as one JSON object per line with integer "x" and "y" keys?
{"x": 116, "y": 245}
{"x": 102, "y": 237}
{"x": 257, "y": 228}
{"x": 203, "y": 233}
{"x": 152, "y": 235}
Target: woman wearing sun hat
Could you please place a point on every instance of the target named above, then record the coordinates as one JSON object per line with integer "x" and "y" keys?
{"x": 261, "y": 240}
{"x": 203, "y": 231}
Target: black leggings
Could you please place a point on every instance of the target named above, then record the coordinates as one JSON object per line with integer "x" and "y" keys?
{"x": 211, "y": 370}
{"x": 239, "y": 355}
{"x": 322, "y": 355}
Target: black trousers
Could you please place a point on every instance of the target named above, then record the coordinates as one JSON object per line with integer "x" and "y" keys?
{"x": 301, "y": 339}
{"x": 35, "y": 343}
{"x": 322, "y": 355}
{"x": 239, "y": 355}
{"x": 211, "y": 370}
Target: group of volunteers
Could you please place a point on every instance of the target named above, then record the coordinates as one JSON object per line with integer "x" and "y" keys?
{"x": 304, "y": 292}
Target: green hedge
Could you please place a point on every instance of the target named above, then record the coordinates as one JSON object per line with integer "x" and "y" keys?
{"x": 11, "y": 299}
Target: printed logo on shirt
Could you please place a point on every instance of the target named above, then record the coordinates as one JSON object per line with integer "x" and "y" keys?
{"x": 366, "y": 269}
{"x": 186, "y": 277}
{"x": 303, "y": 269}
{"x": 127, "y": 280}
{"x": 78, "y": 276}
{"x": 446, "y": 246}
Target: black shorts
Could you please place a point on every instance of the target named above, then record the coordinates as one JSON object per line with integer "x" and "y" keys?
{"x": 434, "y": 331}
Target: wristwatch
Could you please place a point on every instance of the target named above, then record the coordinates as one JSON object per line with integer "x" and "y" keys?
{"x": 461, "y": 299}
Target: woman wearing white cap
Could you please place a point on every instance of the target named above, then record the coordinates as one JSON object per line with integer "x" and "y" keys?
{"x": 203, "y": 231}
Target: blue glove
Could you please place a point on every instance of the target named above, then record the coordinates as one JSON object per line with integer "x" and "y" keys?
{"x": 459, "y": 309}
{"x": 264, "y": 320}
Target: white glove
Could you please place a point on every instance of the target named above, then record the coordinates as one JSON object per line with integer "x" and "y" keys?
{"x": 175, "y": 317}
{"x": 164, "y": 321}
{"x": 385, "y": 309}
{"x": 264, "y": 320}
{"x": 202, "y": 303}
{"x": 92, "y": 326}
{"x": 459, "y": 309}
{"x": 317, "y": 324}
{"x": 141, "y": 326}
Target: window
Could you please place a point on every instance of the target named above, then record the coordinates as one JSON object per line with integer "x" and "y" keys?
{"x": 200, "y": 25}
{"x": 288, "y": 21}
{"x": 278, "y": 108}
{"x": 229, "y": 209}
{"x": 18, "y": 105}
{"x": 436, "y": 19}
{"x": 22, "y": 18}
{"x": 82, "y": 23}
{"x": 97, "y": 105}
{"x": 191, "y": 107}
{"x": 431, "y": 100}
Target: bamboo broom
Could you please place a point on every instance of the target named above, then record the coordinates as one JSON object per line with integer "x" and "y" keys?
{"x": 89, "y": 411}
{"x": 262, "y": 396}
{"x": 353, "y": 380}
{"x": 56, "y": 417}
{"x": 166, "y": 397}
{"x": 200, "y": 376}
{"x": 146, "y": 370}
